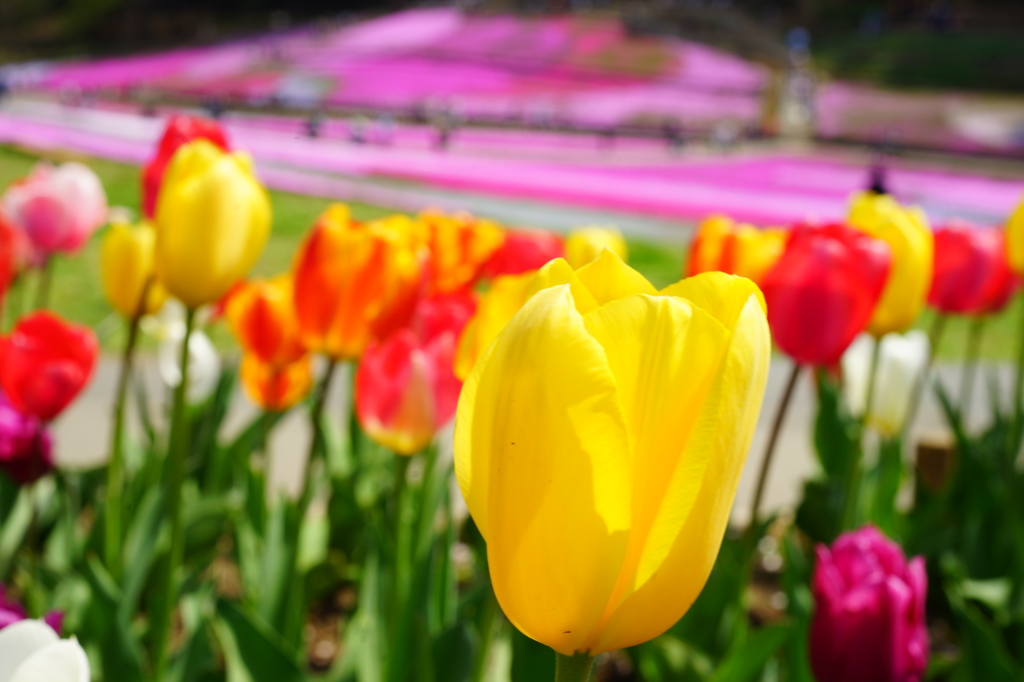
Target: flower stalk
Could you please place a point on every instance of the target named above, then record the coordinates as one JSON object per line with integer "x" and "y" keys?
{"x": 575, "y": 668}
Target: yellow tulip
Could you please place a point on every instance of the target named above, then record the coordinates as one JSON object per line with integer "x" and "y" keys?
{"x": 737, "y": 249}
{"x": 127, "y": 269}
{"x": 587, "y": 243}
{"x": 599, "y": 443}
{"x": 1015, "y": 240}
{"x": 212, "y": 221}
{"x": 496, "y": 307}
{"x": 910, "y": 239}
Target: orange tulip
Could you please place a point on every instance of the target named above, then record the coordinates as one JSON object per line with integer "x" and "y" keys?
{"x": 737, "y": 249}
{"x": 355, "y": 281}
{"x": 460, "y": 246}
{"x": 263, "y": 320}
{"x": 276, "y": 387}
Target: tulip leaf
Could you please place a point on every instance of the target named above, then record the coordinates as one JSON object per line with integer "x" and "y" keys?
{"x": 747, "y": 662}
{"x": 14, "y": 529}
{"x": 140, "y": 547}
{"x": 362, "y": 651}
{"x": 122, "y": 656}
{"x": 251, "y": 649}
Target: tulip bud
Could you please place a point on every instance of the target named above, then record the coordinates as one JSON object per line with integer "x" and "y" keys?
{"x": 586, "y": 243}
{"x": 25, "y": 446}
{"x": 599, "y": 443}
{"x": 180, "y": 130}
{"x": 212, "y": 220}
{"x": 31, "y": 650}
{"x": 721, "y": 245}
{"x": 823, "y": 290}
{"x": 869, "y": 615}
{"x": 128, "y": 271}
{"x": 902, "y": 361}
{"x": 523, "y": 251}
{"x": 44, "y": 363}
{"x": 910, "y": 239}
{"x": 262, "y": 318}
{"x": 459, "y": 246}
{"x": 355, "y": 282}
{"x": 58, "y": 208}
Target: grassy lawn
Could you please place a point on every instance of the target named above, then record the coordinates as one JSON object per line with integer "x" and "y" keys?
{"x": 76, "y": 291}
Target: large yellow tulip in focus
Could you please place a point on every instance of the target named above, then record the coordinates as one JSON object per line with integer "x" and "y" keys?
{"x": 1015, "y": 240}
{"x": 599, "y": 443}
{"x": 908, "y": 235}
{"x": 127, "y": 269}
{"x": 586, "y": 243}
{"x": 212, "y": 221}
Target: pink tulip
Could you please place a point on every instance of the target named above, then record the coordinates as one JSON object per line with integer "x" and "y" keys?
{"x": 869, "y": 611}
{"x": 57, "y": 208}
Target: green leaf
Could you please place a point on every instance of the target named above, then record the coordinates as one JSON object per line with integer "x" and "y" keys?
{"x": 747, "y": 662}
{"x": 531, "y": 661}
{"x": 15, "y": 527}
{"x": 144, "y": 537}
{"x": 122, "y": 655}
{"x": 251, "y": 649}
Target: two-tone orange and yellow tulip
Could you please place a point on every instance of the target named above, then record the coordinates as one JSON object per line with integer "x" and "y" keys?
{"x": 276, "y": 371}
{"x": 128, "y": 270}
{"x": 212, "y": 221}
{"x": 599, "y": 443}
{"x": 722, "y": 245}
{"x": 460, "y": 245}
{"x": 910, "y": 240}
{"x": 355, "y": 282}
{"x": 586, "y": 243}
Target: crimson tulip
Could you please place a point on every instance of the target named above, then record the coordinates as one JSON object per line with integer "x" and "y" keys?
{"x": 822, "y": 291}
{"x": 970, "y": 270}
{"x": 45, "y": 362}
{"x": 180, "y": 130}
{"x": 523, "y": 251}
{"x": 869, "y": 616}
{"x": 25, "y": 447}
{"x": 442, "y": 313}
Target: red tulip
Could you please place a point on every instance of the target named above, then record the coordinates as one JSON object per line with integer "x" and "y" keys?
{"x": 822, "y": 291}
{"x": 441, "y": 313}
{"x": 522, "y": 251}
{"x": 971, "y": 273}
{"x": 180, "y": 130}
{"x": 406, "y": 390}
{"x": 869, "y": 611}
{"x": 44, "y": 363}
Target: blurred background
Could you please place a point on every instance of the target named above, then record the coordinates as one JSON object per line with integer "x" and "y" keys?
{"x": 649, "y": 115}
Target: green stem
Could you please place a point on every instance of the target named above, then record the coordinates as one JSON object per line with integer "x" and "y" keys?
{"x": 177, "y": 456}
{"x": 970, "y": 369}
{"x": 1018, "y": 386}
{"x": 487, "y": 622}
{"x": 115, "y": 470}
{"x": 43, "y": 285}
{"x": 855, "y": 474}
{"x": 917, "y": 395}
{"x": 766, "y": 463}
{"x": 576, "y": 668}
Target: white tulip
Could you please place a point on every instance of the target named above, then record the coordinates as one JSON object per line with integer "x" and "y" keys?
{"x": 902, "y": 361}
{"x": 168, "y": 328}
{"x": 30, "y": 651}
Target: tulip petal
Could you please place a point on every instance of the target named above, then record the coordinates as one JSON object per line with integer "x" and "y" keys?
{"x": 62, "y": 661}
{"x": 540, "y": 417}
{"x": 608, "y": 278}
{"x": 19, "y": 641}
{"x": 724, "y": 296}
{"x": 681, "y": 550}
{"x": 558, "y": 272}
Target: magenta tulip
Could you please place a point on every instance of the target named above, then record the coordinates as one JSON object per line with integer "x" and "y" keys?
{"x": 869, "y": 611}
{"x": 25, "y": 445}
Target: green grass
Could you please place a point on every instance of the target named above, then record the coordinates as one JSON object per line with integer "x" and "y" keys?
{"x": 77, "y": 296}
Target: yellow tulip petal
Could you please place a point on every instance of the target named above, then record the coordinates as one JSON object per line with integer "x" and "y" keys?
{"x": 496, "y": 307}
{"x": 682, "y": 547}
{"x": 558, "y": 271}
{"x": 540, "y": 413}
{"x": 723, "y": 296}
{"x": 665, "y": 354}
{"x": 608, "y": 278}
